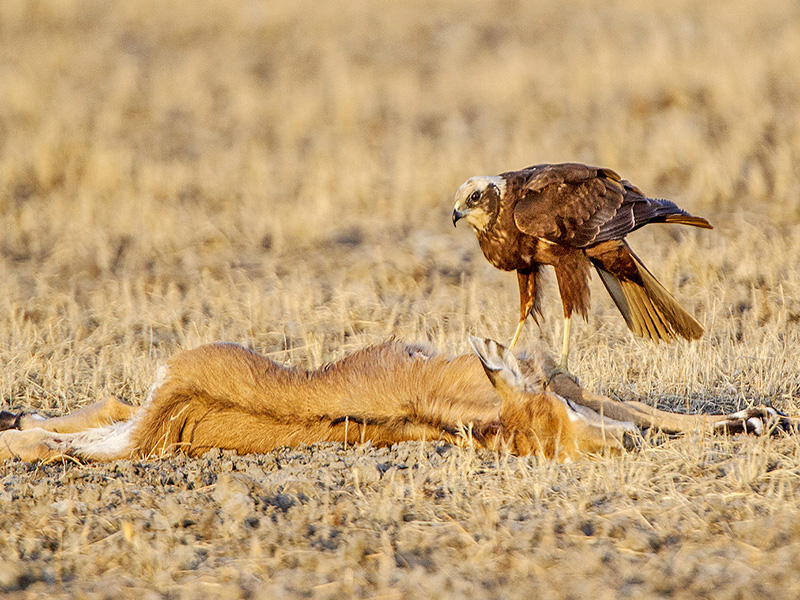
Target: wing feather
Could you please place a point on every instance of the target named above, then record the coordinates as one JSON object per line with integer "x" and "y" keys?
{"x": 568, "y": 204}
{"x": 579, "y": 206}
{"x": 638, "y": 210}
{"x": 648, "y": 308}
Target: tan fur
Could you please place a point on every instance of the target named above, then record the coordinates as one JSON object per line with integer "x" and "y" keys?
{"x": 225, "y": 396}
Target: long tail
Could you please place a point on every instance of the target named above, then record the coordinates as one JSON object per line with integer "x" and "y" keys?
{"x": 648, "y": 308}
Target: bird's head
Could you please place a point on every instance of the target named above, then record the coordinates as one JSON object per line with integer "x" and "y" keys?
{"x": 478, "y": 201}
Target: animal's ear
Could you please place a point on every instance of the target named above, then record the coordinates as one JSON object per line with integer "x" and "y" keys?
{"x": 500, "y": 365}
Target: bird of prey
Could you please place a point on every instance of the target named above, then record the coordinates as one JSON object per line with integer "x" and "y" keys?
{"x": 572, "y": 216}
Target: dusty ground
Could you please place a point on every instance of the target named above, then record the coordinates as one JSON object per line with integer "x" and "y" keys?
{"x": 281, "y": 175}
{"x": 685, "y": 521}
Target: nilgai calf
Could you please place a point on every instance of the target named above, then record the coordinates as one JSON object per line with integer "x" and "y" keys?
{"x": 225, "y": 396}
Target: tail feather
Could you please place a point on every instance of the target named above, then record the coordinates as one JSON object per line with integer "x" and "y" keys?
{"x": 649, "y": 309}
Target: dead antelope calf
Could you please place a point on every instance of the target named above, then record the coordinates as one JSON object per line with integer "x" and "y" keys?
{"x": 225, "y": 396}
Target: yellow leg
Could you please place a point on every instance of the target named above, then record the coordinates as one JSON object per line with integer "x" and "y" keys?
{"x": 565, "y": 346}
{"x": 516, "y": 335}
{"x": 562, "y": 369}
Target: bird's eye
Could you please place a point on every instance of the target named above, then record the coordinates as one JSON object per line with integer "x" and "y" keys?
{"x": 476, "y": 195}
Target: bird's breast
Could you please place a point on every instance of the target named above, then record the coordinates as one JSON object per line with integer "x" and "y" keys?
{"x": 503, "y": 251}
{"x": 511, "y": 252}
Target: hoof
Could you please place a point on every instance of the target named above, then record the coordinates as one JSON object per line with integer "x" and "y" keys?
{"x": 758, "y": 420}
{"x": 632, "y": 442}
{"x": 9, "y": 420}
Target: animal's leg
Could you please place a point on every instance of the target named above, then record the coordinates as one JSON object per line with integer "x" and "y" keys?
{"x": 516, "y": 334}
{"x": 595, "y": 433}
{"x": 562, "y": 368}
{"x": 759, "y": 419}
{"x": 528, "y": 300}
{"x": 565, "y": 347}
{"x": 525, "y": 307}
{"x": 32, "y": 444}
{"x": 98, "y": 414}
{"x": 572, "y": 275}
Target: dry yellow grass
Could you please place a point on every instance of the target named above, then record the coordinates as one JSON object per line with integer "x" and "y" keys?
{"x": 281, "y": 175}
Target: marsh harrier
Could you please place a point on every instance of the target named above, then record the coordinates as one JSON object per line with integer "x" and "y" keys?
{"x": 572, "y": 216}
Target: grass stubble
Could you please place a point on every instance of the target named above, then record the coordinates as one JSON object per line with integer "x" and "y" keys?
{"x": 280, "y": 175}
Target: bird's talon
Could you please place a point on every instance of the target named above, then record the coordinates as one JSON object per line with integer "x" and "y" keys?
{"x": 565, "y": 372}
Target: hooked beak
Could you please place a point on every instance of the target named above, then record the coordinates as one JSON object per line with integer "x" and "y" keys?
{"x": 457, "y": 214}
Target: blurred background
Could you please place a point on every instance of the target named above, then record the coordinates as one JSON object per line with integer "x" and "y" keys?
{"x": 280, "y": 174}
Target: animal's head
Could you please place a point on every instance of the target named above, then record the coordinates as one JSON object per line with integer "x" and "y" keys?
{"x": 538, "y": 421}
{"x": 529, "y": 417}
{"x": 478, "y": 201}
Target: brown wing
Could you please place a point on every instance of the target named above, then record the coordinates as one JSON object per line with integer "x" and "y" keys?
{"x": 579, "y": 206}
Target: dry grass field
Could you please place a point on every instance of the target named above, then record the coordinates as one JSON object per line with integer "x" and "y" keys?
{"x": 280, "y": 174}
